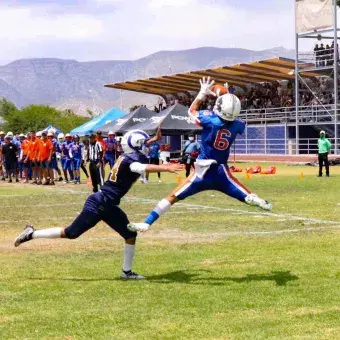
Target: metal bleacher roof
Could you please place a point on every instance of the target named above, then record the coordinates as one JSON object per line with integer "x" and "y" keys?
{"x": 239, "y": 75}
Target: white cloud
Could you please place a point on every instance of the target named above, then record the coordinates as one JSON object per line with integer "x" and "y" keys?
{"x": 132, "y": 29}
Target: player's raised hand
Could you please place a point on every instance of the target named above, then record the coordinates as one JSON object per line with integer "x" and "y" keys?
{"x": 156, "y": 137}
{"x": 206, "y": 85}
{"x": 159, "y": 133}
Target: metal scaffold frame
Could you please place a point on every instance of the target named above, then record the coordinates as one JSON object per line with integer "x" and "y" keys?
{"x": 323, "y": 69}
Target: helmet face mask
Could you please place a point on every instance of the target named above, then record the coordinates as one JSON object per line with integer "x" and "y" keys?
{"x": 61, "y": 137}
{"x": 134, "y": 141}
{"x": 227, "y": 107}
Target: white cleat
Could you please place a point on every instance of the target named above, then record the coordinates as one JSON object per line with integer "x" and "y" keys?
{"x": 141, "y": 227}
{"x": 254, "y": 200}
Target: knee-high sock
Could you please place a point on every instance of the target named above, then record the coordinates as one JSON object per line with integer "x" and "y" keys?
{"x": 48, "y": 233}
{"x": 129, "y": 254}
{"x": 162, "y": 207}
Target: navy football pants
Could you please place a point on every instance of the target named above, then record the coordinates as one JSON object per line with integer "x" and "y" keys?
{"x": 97, "y": 208}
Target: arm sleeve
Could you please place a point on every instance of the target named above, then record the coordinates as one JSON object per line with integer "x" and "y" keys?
{"x": 329, "y": 144}
{"x": 138, "y": 168}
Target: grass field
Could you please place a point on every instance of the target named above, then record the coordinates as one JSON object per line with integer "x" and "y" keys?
{"x": 217, "y": 269}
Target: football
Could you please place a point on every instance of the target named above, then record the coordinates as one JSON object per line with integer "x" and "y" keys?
{"x": 220, "y": 90}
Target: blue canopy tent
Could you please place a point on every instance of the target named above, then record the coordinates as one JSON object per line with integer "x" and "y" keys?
{"x": 56, "y": 131}
{"x": 96, "y": 123}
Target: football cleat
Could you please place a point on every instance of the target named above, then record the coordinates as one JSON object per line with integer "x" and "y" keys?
{"x": 138, "y": 227}
{"x": 26, "y": 236}
{"x": 254, "y": 200}
{"x": 130, "y": 275}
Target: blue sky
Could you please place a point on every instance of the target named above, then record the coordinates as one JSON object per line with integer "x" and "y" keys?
{"x": 123, "y": 29}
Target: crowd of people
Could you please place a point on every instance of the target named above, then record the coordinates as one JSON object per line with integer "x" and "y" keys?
{"x": 43, "y": 158}
{"x": 324, "y": 55}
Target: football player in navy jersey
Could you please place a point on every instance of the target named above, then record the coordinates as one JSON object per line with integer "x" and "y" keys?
{"x": 220, "y": 128}
{"x": 104, "y": 205}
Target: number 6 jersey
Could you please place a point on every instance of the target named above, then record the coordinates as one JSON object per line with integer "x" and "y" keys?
{"x": 217, "y": 136}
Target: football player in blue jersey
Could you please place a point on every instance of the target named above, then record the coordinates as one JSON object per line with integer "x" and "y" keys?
{"x": 220, "y": 128}
{"x": 66, "y": 157}
{"x": 110, "y": 154}
{"x": 104, "y": 205}
{"x": 76, "y": 153}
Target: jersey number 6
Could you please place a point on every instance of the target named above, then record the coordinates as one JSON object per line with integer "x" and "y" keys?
{"x": 221, "y": 142}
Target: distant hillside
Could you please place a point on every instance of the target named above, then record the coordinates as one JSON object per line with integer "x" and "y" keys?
{"x": 77, "y": 85}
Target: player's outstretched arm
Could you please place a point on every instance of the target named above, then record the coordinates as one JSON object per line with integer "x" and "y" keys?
{"x": 156, "y": 138}
{"x": 173, "y": 168}
{"x": 206, "y": 85}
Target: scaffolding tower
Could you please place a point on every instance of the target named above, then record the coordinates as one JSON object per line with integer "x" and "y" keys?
{"x": 325, "y": 63}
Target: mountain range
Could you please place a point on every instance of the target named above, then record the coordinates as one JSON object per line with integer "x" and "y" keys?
{"x": 69, "y": 84}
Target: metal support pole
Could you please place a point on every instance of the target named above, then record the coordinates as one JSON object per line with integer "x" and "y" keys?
{"x": 336, "y": 99}
{"x": 121, "y": 99}
{"x": 286, "y": 142}
{"x": 297, "y": 97}
{"x": 246, "y": 139}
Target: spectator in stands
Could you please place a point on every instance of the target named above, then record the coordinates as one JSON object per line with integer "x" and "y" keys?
{"x": 190, "y": 153}
{"x": 324, "y": 147}
{"x": 316, "y": 54}
{"x": 322, "y": 55}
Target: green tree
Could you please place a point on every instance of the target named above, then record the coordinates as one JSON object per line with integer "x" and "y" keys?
{"x": 7, "y": 108}
{"x": 37, "y": 117}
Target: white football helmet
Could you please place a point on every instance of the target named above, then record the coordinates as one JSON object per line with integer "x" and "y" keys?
{"x": 134, "y": 140}
{"x": 61, "y": 137}
{"x": 227, "y": 107}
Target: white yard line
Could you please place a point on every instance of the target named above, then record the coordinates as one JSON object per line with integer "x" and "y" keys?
{"x": 238, "y": 211}
{"x": 190, "y": 207}
{"x": 197, "y": 235}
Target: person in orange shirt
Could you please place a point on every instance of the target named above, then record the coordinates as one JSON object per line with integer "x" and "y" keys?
{"x": 23, "y": 156}
{"x": 45, "y": 157}
{"x": 32, "y": 158}
{"x": 101, "y": 140}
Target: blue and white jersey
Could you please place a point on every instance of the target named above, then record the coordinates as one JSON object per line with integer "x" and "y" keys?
{"x": 110, "y": 146}
{"x": 65, "y": 147}
{"x": 76, "y": 150}
{"x": 218, "y": 135}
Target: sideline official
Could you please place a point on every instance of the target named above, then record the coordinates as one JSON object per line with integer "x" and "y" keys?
{"x": 95, "y": 157}
{"x": 324, "y": 146}
{"x": 190, "y": 153}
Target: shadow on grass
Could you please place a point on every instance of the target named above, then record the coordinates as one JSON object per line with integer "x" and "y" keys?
{"x": 281, "y": 278}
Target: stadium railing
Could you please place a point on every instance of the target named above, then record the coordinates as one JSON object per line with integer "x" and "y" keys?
{"x": 279, "y": 115}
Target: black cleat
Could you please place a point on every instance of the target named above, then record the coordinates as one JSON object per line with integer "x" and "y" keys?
{"x": 130, "y": 275}
{"x": 25, "y": 236}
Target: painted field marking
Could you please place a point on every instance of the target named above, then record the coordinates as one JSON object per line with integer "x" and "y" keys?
{"x": 245, "y": 212}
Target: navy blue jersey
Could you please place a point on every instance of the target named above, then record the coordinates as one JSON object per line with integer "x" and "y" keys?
{"x": 121, "y": 177}
{"x": 217, "y": 136}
